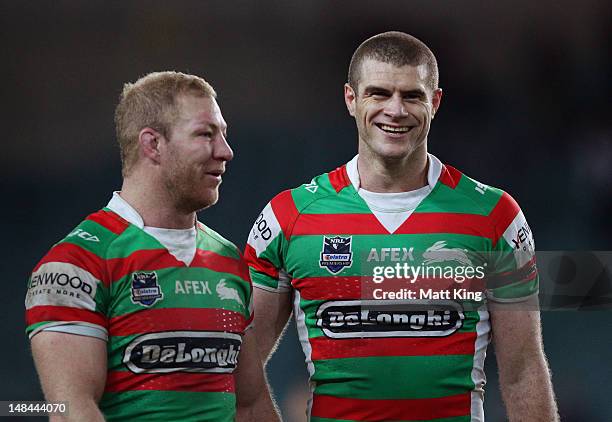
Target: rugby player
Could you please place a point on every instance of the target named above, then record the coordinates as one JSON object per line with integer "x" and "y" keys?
{"x": 312, "y": 249}
{"x": 142, "y": 312}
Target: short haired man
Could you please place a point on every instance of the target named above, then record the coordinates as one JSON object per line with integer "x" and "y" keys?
{"x": 142, "y": 312}
{"x": 380, "y": 357}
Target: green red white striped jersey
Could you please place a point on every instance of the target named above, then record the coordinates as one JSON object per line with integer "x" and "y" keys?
{"x": 400, "y": 359}
{"x": 174, "y": 330}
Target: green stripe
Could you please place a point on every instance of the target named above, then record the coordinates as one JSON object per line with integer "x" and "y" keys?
{"x": 304, "y": 252}
{"x": 415, "y": 377}
{"x": 306, "y": 199}
{"x": 327, "y": 201}
{"x": 464, "y": 199}
{"x": 116, "y": 347}
{"x": 453, "y": 419}
{"x": 271, "y": 252}
{"x": 505, "y": 261}
{"x": 175, "y": 298}
{"x": 264, "y": 280}
{"x": 210, "y": 240}
{"x": 105, "y": 237}
{"x": 35, "y": 326}
{"x": 163, "y": 406}
{"x": 516, "y": 290}
{"x": 134, "y": 239}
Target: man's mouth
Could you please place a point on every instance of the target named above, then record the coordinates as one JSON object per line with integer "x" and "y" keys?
{"x": 215, "y": 173}
{"x": 394, "y": 129}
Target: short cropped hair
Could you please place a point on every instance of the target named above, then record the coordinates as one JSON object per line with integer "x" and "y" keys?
{"x": 151, "y": 101}
{"x": 397, "y": 48}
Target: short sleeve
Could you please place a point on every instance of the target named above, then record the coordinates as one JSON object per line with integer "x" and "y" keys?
{"x": 245, "y": 277}
{"x": 67, "y": 288}
{"x": 513, "y": 274}
{"x": 264, "y": 251}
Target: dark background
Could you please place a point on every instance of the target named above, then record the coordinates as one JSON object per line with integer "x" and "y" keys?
{"x": 525, "y": 108}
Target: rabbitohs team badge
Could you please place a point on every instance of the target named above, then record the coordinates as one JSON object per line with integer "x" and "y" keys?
{"x": 336, "y": 254}
{"x": 145, "y": 289}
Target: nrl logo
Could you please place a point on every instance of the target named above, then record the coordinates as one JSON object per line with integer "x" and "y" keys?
{"x": 336, "y": 254}
{"x": 227, "y": 293}
{"x": 145, "y": 289}
{"x": 438, "y": 252}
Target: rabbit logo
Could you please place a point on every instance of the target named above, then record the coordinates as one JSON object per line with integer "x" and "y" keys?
{"x": 226, "y": 293}
{"x": 438, "y": 252}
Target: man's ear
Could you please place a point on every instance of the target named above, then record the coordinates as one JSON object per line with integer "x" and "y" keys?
{"x": 349, "y": 99}
{"x": 436, "y": 100}
{"x": 148, "y": 141}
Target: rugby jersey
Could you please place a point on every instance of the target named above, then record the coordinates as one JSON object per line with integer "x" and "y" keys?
{"x": 378, "y": 358}
{"x": 174, "y": 330}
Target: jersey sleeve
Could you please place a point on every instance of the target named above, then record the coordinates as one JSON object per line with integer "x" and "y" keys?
{"x": 513, "y": 276}
{"x": 68, "y": 290}
{"x": 267, "y": 244}
{"x": 249, "y": 309}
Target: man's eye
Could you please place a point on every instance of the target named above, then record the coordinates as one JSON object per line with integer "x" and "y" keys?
{"x": 379, "y": 95}
{"x": 205, "y": 134}
{"x": 412, "y": 97}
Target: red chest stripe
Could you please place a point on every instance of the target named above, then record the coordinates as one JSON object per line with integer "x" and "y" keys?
{"x": 383, "y": 410}
{"x": 118, "y": 381}
{"x": 176, "y": 319}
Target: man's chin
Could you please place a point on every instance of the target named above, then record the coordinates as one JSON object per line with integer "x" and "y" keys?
{"x": 397, "y": 150}
{"x": 394, "y": 153}
{"x": 200, "y": 203}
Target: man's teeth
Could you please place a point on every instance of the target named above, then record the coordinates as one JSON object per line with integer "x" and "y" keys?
{"x": 401, "y": 129}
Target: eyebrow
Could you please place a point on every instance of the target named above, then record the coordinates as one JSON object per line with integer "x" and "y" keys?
{"x": 213, "y": 126}
{"x": 373, "y": 88}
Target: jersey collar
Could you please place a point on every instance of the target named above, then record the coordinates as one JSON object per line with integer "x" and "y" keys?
{"x": 119, "y": 206}
{"x": 433, "y": 172}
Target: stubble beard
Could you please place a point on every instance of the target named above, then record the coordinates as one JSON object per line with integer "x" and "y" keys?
{"x": 183, "y": 191}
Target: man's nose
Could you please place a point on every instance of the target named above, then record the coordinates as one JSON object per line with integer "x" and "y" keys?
{"x": 222, "y": 150}
{"x": 395, "y": 107}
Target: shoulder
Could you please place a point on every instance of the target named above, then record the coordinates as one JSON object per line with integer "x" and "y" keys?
{"x": 227, "y": 257}
{"x": 277, "y": 219}
{"x": 91, "y": 237}
{"x": 218, "y": 243}
{"x": 76, "y": 263}
{"x": 326, "y": 185}
{"x": 489, "y": 199}
{"x": 501, "y": 210}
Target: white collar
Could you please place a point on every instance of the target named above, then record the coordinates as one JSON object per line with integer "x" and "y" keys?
{"x": 433, "y": 173}
{"x": 181, "y": 243}
{"x": 119, "y": 206}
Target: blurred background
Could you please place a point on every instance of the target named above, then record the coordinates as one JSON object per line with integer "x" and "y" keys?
{"x": 526, "y": 108}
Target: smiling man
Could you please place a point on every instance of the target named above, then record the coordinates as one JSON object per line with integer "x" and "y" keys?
{"x": 387, "y": 350}
{"x": 142, "y": 312}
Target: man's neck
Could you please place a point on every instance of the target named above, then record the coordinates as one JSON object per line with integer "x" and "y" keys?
{"x": 155, "y": 207}
{"x": 396, "y": 175}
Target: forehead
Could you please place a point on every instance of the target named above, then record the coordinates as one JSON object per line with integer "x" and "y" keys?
{"x": 377, "y": 73}
{"x": 199, "y": 110}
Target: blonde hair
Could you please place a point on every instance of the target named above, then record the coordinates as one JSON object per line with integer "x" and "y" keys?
{"x": 151, "y": 101}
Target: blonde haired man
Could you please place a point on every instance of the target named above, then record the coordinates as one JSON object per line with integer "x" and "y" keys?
{"x": 129, "y": 315}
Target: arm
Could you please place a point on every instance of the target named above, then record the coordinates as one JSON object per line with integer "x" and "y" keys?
{"x": 523, "y": 371}
{"x": 253, "y": 401}
{"x": 273, "y": 311}
{"x": 72, "y": 368}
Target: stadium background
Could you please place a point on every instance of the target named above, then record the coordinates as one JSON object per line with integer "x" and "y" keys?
{"x": 526, "y": 108}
